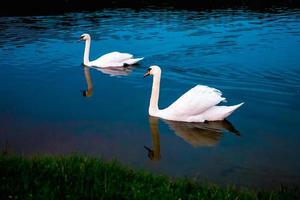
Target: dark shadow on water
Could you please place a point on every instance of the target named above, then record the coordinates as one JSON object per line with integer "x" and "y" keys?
{"x": 206, "y": 134}
{"x": 32, "y": 7}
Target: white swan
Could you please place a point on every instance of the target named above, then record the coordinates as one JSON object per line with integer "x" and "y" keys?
{"x": 199, "y": 104}
{"x": 113, "y": 59}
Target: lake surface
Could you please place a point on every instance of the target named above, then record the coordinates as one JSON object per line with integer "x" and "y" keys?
{"x": 51, "y": 104}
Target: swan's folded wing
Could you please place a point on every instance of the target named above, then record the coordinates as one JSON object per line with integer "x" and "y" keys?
{"x": 114, "y": 57}
{"x": 195, "y": 101}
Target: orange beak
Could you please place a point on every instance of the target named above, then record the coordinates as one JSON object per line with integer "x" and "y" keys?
{"x": 147, "y": 74}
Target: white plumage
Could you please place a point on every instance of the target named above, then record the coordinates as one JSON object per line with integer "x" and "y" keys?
{"x": 199, "y": 104}
{"x": 113, "y": 59}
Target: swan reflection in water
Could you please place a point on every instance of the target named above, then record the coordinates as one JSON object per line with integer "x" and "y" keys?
{"x": 205, "y": 134}
{"x": 89, "y": 91}
{"x": 155, "y": 153}
{"x": 116, "y": 71}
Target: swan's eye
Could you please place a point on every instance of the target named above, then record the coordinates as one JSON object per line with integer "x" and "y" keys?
{"x": 81, "y": 37}
{"x": 149, "y": 69}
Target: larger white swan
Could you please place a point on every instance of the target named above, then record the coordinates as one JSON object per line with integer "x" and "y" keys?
{"x": 113, "y": 59}
{"x": 199, "y": 104}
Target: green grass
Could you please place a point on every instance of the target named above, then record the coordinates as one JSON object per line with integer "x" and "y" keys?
{"x": 82, "y": 177}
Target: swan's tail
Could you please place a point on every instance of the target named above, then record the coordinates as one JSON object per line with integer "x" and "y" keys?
{"x": 230, "y": 109}
{"x": 133, "y": 61}
{"x": 217, "y": 113}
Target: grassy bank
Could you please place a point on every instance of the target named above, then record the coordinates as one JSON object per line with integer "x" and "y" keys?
{"x": 80, "y": 177}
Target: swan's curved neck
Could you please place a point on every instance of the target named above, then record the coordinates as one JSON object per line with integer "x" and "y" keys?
{"x": 86, "y": 55}
{"x": 153, "y": 107}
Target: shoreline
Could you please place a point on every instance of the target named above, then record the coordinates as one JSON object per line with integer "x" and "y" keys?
{"x": 83, "y": 177}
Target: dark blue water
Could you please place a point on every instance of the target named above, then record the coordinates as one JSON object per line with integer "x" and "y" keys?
{"x": 252, "y": 57}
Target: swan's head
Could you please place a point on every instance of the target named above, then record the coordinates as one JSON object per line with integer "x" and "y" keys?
{"x": 85, "y": 37}
{"x": 153, "y": 70}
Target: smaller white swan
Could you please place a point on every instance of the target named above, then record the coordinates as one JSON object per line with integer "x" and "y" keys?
{"x": 199, "y": 104}
{"x": 113, "y": 59}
